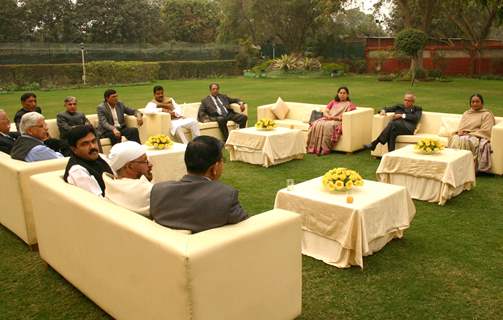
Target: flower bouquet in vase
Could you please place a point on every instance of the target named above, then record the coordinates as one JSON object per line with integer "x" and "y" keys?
{"x": 265, "y": 124}
{"x": 428, "y": 146}
{"x": 341, "y": 179}
{"x": 159, "y": 142}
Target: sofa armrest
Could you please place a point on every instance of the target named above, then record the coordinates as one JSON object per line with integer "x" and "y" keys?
{"x": 380, "y": 122}
{"x": 254, "y": 265}
{"x": 131, "y": 121}
{"x": 237, "y": 108}
{"x": 155, "y": 123}
{"x": 497, "y": 148}
{"x": 126, "y": 263}
{"x": 265, "y": 112}
{"x": 356, "y": 128}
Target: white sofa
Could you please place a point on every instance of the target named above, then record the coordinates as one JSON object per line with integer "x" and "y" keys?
{"x": 439, "y": 126}
{"x": 134, "y": 268}
{"x": 17, "y": 210}
{"x": 356, "y": 124}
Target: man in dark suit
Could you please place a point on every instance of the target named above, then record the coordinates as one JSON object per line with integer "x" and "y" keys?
{"x": 7, "y": 138}
{"x": 197, "y": 202}
{"x": 112, "y": 119}
{"x": 28, "y": 104}
{"x": 216, "y": 107}
{"x": 405, "y": 120}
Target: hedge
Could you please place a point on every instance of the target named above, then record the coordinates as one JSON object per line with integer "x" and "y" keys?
{"x": 111, "y": 72}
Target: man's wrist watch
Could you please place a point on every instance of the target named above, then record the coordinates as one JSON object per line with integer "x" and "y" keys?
{"x": 403, "y": 115}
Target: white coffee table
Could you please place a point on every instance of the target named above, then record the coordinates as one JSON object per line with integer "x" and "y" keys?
{"x": 168, "y": 164}
{"x": 341, "y": 233}
{"x": 429, "y": 177}
{"x": 265, "y": 148}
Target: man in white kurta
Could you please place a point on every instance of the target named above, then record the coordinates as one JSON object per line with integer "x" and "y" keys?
{"x": 161, "y": 103}
{"x": 130, "y": 186}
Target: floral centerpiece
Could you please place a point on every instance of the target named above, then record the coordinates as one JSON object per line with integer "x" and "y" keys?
{"x": 428, "y": 145}
{"x": 341, "y": 179}
{"x": 265, "y": 124}
{"x": 159, "y": 142}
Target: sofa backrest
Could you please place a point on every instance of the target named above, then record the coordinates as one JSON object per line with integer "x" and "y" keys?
{"x": 301, "y": 111}
{"x": 190, "y": 110}
{"x": 52, "y": 124}
{"x": 432, "y": 121}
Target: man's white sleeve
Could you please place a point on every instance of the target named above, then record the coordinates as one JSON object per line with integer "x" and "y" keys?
{"x": 80, "y": 177}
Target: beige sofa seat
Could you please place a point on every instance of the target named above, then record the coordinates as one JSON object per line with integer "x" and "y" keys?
{"x": 356, "y": 124}
{"x": 430, "y": 126}
{"x": 17, "y": 210}
{"x": 190, "y": 110}
{"x": 134, "y": 268}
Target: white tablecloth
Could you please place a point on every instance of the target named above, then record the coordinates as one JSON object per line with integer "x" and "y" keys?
{"x": 168, "y": 164}
{"x": 434, "y": 177}
{"x": 341, "y": 233}
{"x": 265, "y": 148}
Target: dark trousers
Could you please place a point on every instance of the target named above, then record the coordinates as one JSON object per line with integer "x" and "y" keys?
{"x": 238, "y": 118}
{"x": 393, "y": 130}
{"x": 131, "y": 134}
{"x": 58, "y": 145}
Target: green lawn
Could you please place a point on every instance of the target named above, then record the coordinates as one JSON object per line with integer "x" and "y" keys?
{"x": 449, "y": 265}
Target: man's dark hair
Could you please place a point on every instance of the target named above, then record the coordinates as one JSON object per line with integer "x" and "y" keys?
{"x": 214, "y": 84}
{"x": 476, "y": 95}
{"x": 78, "y": 132}
{"x": 157, "y": 88}
{"x": 108, "y": 93}
{"x": 27, "y": 95}
{"x": 202, "y": 153}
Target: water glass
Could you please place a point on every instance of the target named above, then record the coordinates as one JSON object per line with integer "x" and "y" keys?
{"x": 289, "y": 184}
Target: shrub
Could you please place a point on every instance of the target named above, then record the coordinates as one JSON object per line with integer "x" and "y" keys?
{"x": 248, "y": 54}
{"x": 287, "y": 63}
{"x": 334, "y": 69}
{"x": 103, "y": 72}
{"x": 358, "y": 66}
{"x": 197, "y": 69}
{"x": 262, "y": 67}
{"x": 387, "y": 77}
{"x": 43, "y": 75}
{"x": 435, "y": 73}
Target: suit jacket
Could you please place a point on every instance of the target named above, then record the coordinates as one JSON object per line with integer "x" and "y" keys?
{"x": 21, "y": 112}
{"x": 412, "y": 115}
{"x": 195, "y": 203}
{"x": 105, "y": 119}
{"x": 66, "y": 121}
{"x": 208, "y": 111}
{"x": 7, "y": 142}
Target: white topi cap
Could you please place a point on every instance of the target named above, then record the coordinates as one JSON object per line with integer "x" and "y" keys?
{"x": 124, "y": 152}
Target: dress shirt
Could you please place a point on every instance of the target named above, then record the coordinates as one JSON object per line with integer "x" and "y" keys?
{"x": 114, "y": 116}
{"x": 40, "y": 153}
{"x": 220, "y": 106}
{"x": 80, "y": 177}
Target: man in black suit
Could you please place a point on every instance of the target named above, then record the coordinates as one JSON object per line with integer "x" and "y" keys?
{"x": 7, "y": 138}
{"x": 112, "y": 119}
{"x": 28, "y": 104}
{"x": 405, "y": 120}
{"x": 70, "y": 118}
{"x": 197, "y": 202}
{"x": 216, "y": 107}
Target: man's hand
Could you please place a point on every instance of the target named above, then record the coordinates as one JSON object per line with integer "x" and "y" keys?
{"x": 116, "y": 133}
{"x": 462, "y": 133}
{"x": 139, "y": 121}
{"x": 242, "y": 106}
{"x": 397, "y": 116}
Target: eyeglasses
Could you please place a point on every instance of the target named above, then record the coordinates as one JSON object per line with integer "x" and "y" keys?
{"x": 141, "y": 162}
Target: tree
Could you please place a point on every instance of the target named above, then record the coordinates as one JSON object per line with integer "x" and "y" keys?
{"x": 190, "y": 20}
{"x": 12, "y": 26}
{"x": 411, "y": 42}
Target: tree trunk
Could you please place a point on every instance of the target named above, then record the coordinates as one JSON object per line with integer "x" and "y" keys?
{"x": 413, "y": 65}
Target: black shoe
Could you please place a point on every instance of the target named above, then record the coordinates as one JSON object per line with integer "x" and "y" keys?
{"x": 370, "y": 146}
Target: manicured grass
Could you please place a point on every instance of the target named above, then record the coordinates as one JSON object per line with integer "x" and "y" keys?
{"x": 449, "y": 265}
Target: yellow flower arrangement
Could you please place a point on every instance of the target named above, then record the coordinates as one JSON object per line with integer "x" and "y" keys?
{"x": 428, "y": 145}
{"x": 265, "y": 124}
{"x": 159, "y": 141}
{"x": 341, "y": 179}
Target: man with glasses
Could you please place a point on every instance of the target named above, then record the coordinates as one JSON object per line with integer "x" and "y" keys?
{"x": 70, "y": 118}
{"x": 30, "y": 145}
{"x": 7, "y": 138}
{"x": 130, "y": 187}
{"x": 85, "y": 167}
{"x": 112, "y": 119}
{"x": 404, "y": 122}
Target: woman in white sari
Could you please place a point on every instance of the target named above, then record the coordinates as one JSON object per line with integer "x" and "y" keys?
{"x": 474, "y": 133}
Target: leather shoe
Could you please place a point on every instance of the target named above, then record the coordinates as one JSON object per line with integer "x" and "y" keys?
{"x": 369, "y": 146}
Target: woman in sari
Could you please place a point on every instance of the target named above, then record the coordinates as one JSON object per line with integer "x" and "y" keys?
{"x": 474, "y": 133}
{"x": 325, "y": 132}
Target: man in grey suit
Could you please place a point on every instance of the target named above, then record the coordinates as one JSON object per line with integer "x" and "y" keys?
{"x": 70, "y": 118}
{"x": 216, "y": 107}
{"x": 197, "y": 202}
{"x": 112, "y": 119}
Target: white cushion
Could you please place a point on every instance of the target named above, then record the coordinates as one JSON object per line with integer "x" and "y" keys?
{"x": 280, "y": 110}
{"x": 449, "y": 126}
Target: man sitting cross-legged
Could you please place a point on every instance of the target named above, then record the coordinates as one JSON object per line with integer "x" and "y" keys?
{"x": 130, "y": 187}
{"x": 30, "y": 145}
{"x": 85, "y": 167}
{"x": 197, "y": 202}
{"x": 161, "y": 103}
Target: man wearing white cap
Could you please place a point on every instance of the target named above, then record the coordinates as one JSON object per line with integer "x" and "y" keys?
{"x": 130, "y": 187}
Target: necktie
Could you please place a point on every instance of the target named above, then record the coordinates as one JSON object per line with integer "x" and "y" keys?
{"x": 221, "y": 107}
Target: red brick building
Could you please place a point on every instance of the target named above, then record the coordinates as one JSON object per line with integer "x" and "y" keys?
{"x": 451, "y": 56}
